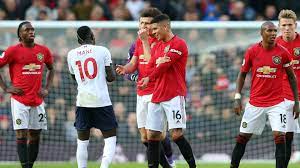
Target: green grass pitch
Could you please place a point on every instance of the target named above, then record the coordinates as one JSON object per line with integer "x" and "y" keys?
{"x": 136, "y": 165}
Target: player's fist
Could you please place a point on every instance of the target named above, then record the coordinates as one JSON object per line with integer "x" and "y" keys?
{"x": 14, "y": 91}
{"x": 237, "y": 106}
{"x": 142, "y": 84}
{"x": 43, "y": 93}
{"x": 143, "y": 34}
{"x": 120, "y": 69}
{"x": 162, "y": 60}
{"x": 296, "y": 110}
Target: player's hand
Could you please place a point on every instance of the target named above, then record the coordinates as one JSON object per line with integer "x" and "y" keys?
{"x": 43, "y": 93}
{"x": 142, "y": 84}
{"x": 143, "y": 34}
{"x": 296, "y": 110}
{"x": 162, "y": 60}
{"x": 14, "y": 91}
{"x": 237, "y": 106}
{"x": 120, "y": 69}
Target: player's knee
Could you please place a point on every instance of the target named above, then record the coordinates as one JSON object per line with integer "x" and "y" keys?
{"x": 34, "y": 135}
{"x": 242, "y": 139}
{"x": 279, "y": 138}
{"x": 176, "y": 134}
{"x": 153, "y": 135}
{"x": 21, "y": 133}
{"x": 83, "y": 135}
{"x": 289, "y": 136}
{"x": 110, "y": 133}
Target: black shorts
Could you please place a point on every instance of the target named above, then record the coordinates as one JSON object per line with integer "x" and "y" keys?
{"x": 102, "y": 118}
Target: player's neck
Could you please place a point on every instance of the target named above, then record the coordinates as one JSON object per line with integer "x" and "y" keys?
{"x": 28, "y": 45}
{"x": 169, "y": 36}
{"x": 291, "y": 38}
{"x": 268, "y": 46}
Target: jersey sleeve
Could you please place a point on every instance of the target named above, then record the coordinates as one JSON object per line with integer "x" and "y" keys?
{"x": 48, "y": 57}
{"x": 71, "y": 70}
{"x": 6, "y": 57}
{"x": 246, "y": 65}
{"x": 107, "y": 57}
{"x": 286, "y": 59}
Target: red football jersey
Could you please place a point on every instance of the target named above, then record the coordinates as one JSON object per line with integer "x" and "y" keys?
{"x": 170, "y": 76}
{"x": 26, "y": 67}
{"x": 294, "y": 48}
{"x": 142, "y": 65}
{"x": 267, "y": 69}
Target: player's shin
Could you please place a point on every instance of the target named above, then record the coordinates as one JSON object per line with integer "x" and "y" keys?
{"x": 163, "y": 160}
{"x": 33, "y": 150}
{"x": 280, "y": 153}
{"x": 82, "y": 153}
{"x": 153, "y": 153}
{"x": 186, "y": 151}
{"x": 22, "y": 151}
{"x": 108, "y": 151}
{"x": 289, "y": 143}
{"x": 166, "y": 143}
{"x": 238, "y": 151}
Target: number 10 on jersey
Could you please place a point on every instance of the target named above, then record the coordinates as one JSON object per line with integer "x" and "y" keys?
{"x": 83, "y": 68}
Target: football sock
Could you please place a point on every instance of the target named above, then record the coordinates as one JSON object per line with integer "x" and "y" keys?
{"x": 108, "y": 151}
{"x": 33, "y": 150}
{"x": 238, "y": 151}
{"x": 289, "y": 141}
{"x": 280, "y": 153}
{"x": 163, "y": 161}
{"x": 153, "y": 153}
{"x": 186, "y": 151}
{"x": 166, "y": 143}
{"x": 82, "y": 153}
{"x": 22, "y": 151}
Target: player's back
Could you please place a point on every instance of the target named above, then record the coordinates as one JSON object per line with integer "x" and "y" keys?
{"x": 87, "y": 63}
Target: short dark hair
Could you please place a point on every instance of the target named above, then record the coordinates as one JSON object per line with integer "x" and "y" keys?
{"x": 150, "y": 12}
{"x": 84, "y": 33}
{"x": 19, "y": 28}
{"x": 160, "y": 18}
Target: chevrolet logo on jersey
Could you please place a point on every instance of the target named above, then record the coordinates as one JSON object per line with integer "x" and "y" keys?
{"x": 266, "y": 70}
{"x": 32, "y": 67}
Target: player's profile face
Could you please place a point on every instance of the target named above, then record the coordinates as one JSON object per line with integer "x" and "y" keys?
{"x": 27, "y": 33}
{"x": 287, "y": 27}
{"x": 144, "y": 22}
{"x": 269, "y": 33}
{"x": 158, "y": 30}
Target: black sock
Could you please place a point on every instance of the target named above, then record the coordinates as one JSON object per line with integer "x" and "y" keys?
{"x": 238, "y": 151}
{"x": 186, "y": 150}
{"x": 162, "y": 159}
{"x": 146, "y": 144}
{"x": 33, "y": 150}
{"x": 166, "y": 143}
{"x": 289, "y": 142}
{"x": 22, "y": 151}
{"x": 153, "y": 153}
{"x": 280, "y": 153}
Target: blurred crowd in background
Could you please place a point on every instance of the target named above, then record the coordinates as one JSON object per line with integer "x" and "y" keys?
{"x": 207, "y": 10}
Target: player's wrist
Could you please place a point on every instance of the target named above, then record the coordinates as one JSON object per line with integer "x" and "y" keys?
{"x": 237, "y": 96}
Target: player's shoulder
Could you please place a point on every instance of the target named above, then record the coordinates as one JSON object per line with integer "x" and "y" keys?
{"x": 100, "y": 48}
{"x": 13, "y": 47}
{"x": 254, "y": 47}
{"x": 43, "y": 47}
{"x": 178, "y": 39}
{"x": 278, "y": 39}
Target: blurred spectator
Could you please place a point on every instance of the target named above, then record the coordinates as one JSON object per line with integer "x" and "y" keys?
{"x": 60, "y": 12}
{"x": 33, "y": 12}
{"x": 71, "y": 133}
{"x": 270, "y": 12}
{"x": 11, "y": 9}
{"x": 120, "y": 111}
{"x": 135, "y": 7}
{"x": 121, "y": 13}
{"x": 97, "y": 14}
{"x": 2, "y": 14}
{"x": 83, "y": 9}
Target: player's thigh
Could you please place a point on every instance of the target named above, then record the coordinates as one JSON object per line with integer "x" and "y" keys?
{"x": 83, "y": 118}
{"x": 104, "y": 118}
{"x": 292, "y": 124}
{"x": 277, "y": 115}
{"x": 155, "y": 117}
{"x": 142, "y": 103}
{"x": 175, "y": 112}
{"x": 254, "y": 120}
{"x": 37, "y": 117}
{"x": 20, "y": 115}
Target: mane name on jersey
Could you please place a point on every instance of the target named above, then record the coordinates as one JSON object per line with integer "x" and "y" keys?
{"x": 84, "y": 52}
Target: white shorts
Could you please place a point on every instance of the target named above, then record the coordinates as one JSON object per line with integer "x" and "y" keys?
{"x": 142, "y": 103}
{"x": 173, "y": 110}
{"x": 254, "y": 118}
{"x": 292, "y": 124}
{"x": 27, "y": 117}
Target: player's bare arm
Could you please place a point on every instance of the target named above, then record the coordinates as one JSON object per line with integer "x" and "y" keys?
{"x": 11, "y": 89}
{"x": 128, "y": 68}
{"x": 293, "y": 82}
{"x": 110, "y": 74}
{"x": 143, "y": 35}
{"x": 50, "y": 74}
{"x": 237, "y": 98}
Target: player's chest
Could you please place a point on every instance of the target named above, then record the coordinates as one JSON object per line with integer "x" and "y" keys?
{"x": 29, "y": 57}
{"x": 268, "y": 63}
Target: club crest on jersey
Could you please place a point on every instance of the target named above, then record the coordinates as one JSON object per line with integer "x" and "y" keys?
{"x": 276, "y": 60}
{"x": 167, "y": 48}
{"x": 297, "y": 51}
{"x": 40, "y": 57}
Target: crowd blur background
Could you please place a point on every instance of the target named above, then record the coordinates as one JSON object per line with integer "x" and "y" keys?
{"x": 215, "y": 56}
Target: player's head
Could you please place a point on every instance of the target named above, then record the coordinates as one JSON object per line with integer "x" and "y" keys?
{"x": 26, "y": 32}
{"x": 287, "y": 23}
{"x": 85, "y": 35}
{"x": 146, "y": 17}
{"x": 160, "y": 26}
{"x": 268, "y": 32}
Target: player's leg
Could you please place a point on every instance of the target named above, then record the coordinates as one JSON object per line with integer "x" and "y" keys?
{"x": 176, "y": 117}
{"x": 82, "y": 125}
{"x": 37, "y": 122}
{"x": 141, "y": 117}
{"x": 104, "y": 119}
{"x": 167, "y": 147}
{"x": 253, "y": 122}
{"x": 277, "y": 118}
{"x": 20, "y": 117}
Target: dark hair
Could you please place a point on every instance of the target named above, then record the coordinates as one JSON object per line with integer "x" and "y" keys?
{"x": 19, "y": 28}
{"x": 84, "y": 33}
{"x": 160, "y": 18}
{"x": 150, "y": 12}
